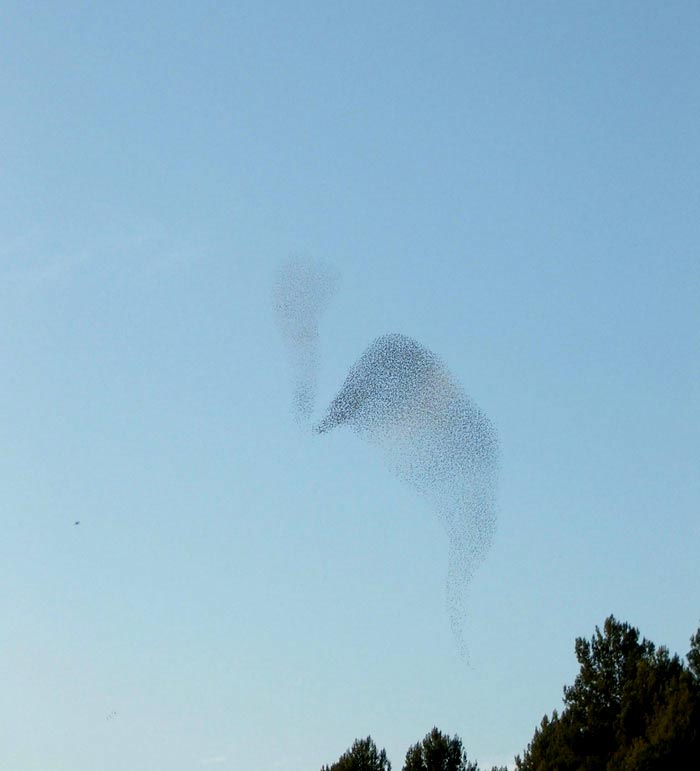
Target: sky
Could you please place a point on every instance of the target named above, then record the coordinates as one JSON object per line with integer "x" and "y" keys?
{"x": 513, "y": 185}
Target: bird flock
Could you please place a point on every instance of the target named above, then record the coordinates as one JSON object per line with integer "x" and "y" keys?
{"x": 401, "y": 398}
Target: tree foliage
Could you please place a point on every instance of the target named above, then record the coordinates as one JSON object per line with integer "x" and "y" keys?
{"x": 438, "y": 752}
{"x": 694, "y": 655}
{"x": 632, "y": 707}
{"x": 362, "y": 756}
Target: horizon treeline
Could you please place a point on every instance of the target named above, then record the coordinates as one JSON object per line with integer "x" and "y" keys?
{"x": 632, "y": 707}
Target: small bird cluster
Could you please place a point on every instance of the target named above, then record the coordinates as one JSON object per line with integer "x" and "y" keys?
{"x": 302, "y": 291}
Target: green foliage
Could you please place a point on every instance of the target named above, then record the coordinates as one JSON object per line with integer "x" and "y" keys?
{"x": 438, "y": 752}
{"x": 632, "y": 707}
{"x": 694, "y": 655}
{"x": 362, "y": 756}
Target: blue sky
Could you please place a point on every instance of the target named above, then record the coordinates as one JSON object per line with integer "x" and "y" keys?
{"x": 515, "y": 186}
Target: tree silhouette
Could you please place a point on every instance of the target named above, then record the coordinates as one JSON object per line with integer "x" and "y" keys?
{"x": 438, "y": 752}
{"x": 362, "y": 756}
{"x": 632, "y": 707}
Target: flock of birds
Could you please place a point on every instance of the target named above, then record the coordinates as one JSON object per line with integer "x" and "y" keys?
{"x": 400, "y": 397}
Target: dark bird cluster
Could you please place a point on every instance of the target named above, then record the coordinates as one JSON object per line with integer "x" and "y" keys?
{"x": 400, "y": 397}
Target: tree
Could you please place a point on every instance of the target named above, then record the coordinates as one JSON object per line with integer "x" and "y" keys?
{"x": 362, "y": 756}
{"x": 694, "y": 655}
{"x": 631, "y": 707}
{"x": 438, "y": 752}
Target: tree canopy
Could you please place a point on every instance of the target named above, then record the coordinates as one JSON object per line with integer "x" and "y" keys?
{"x": 438, "y": 752}
{"x": 632, "y": 707}
{"x": 362, "y": 756}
